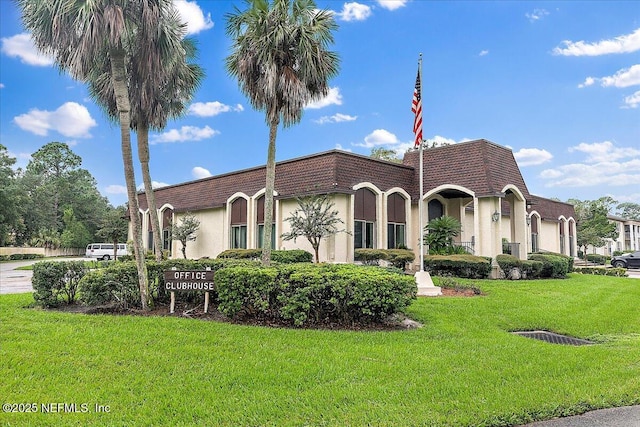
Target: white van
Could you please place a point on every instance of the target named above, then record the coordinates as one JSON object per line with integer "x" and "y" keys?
{"x": 104, "y": 250}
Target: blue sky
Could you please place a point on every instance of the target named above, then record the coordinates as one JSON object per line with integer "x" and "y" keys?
{"x": 557, "y": 82}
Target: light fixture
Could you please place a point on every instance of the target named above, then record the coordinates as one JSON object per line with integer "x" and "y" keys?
{"x": 495, "y": 216}
{"x": 528, "y": 220}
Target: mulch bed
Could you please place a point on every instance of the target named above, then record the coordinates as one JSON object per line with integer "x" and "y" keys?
{"x": 191, "y": 311}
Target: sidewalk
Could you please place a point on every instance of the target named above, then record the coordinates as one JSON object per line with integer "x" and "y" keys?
{"x": 626, "y": 416}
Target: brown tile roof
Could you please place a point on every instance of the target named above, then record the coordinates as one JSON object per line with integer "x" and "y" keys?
{"x": 327, "y": 172}
{"x": 551, "y": 210}
{"x": 481, "y": 166}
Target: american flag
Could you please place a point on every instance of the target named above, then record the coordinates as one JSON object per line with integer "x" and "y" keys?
{"x": 416, "y": 108}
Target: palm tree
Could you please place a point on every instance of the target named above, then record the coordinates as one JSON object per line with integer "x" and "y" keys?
{"x": 156, "y": 99}
{"x": 77, "y": 34}
{"x": 280, "y": 59}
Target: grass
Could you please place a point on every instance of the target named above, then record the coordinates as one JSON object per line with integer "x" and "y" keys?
{"x": 463, "y": 368}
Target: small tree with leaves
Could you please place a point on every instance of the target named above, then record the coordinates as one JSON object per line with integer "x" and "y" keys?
{"x": 185, "y": 231}
{"x": 440, "y": 234}
{"x": 315, "y": 219}
{"x": 114, "y": 227}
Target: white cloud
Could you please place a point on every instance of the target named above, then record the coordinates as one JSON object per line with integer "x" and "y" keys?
{"x": 200, "y": 172}
{"x": 392, "y": 4}
{"x": 532, "y": 156}
{"x": 622, "y": 44}
{"x": 21, "y": 46}
{"x": 1, "y": 85}
{"x": 336, "y": 118}
{"x": 623, "y": 78}
{"x": 586, "y": 175}
{"x": 605, "y": 164}
{"x": 116, "y": 189}
{"x": 632, "y": 101}
{"x": 377, "y": 138}
{"x": 333, "y": 98}
{"x": 185, "y": 133}
{"x": 604, "y": 151}
{"x": 536, "y": 15}
{"x": 154, "y": 184}
{"x": 70, "y": 119}
{"x": 340, "y": 147}
{"x": 193, "y": 16}
{"x": 483, "y": 53}
{"x": 354, "y": 12}
{"x": 210, "y": 109}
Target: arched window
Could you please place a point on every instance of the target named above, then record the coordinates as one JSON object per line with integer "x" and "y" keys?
{"x": 396, "y": 221}
{"x": 365, "y": 218}
{"x": 534, "y": 233}
{"x": 260, "y": 223}
{"x": 562, "y": 242}
{"x": 239, "y": 223}
{"x": 435, "y": 208}
{"x": 165, "y": 226}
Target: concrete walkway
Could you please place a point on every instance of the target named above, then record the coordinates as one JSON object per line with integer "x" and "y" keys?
{"x": 626, "y": 416}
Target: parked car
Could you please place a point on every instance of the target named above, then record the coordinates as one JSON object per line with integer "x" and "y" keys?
{"x": 104, "y": 250}
{"x": 631, "y": 260}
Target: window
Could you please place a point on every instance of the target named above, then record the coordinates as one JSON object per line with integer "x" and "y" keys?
{"x": 364, "y": 234}
{"x": 396, "y": 219}
{"x": 260, "y": 222}
{"x": 395, "y": 235}
{"x": 167, "y": 216}
{"x": 239, "y": 223}
{"x": 534, "y": 233}
{"x": 238, "y": 237}
{"x": 365, "y": 218}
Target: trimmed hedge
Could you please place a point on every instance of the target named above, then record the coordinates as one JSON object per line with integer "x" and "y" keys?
{"x": 555, "y": 266}
{"x": 597, "y": 259}
{"x": 397, "y": 257}
{"x": 467, "y": 266}
{"x": 602, "y": 271}
{"x": 303, "y": 294}
{"x": 118, "y": 282}
{"x": 283, "y": 256}
{"x": 55, "y": 282}
{"x": 16, "y": 257}
{"x": 511, "y": 266}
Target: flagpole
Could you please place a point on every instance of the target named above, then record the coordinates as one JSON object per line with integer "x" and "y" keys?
{"x": 423, "y": 278}
{"x": 420, "y": 207}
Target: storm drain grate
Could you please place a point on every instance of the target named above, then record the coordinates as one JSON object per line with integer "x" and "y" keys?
{"x": 553, "y": 338}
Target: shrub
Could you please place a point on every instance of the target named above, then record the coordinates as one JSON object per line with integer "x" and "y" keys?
{"x": 4, "y": 257}
{"x": 469, "y": 266}
{"x": 283, "y": 256}
{"x": 528, "y": 269}
{"x": 532, "y": 269}
{"x": 314, "y": 293}
{"x": 597, "y": 259}
{"x": 400, "y": 257}
{"x": 601, "y": 271}
{"x": 553, "y": 265}
{"x": 54, "y": 279}
{"x": 369, "y": 256}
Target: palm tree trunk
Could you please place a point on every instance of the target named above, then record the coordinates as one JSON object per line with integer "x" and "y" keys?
{"x": 122, "y": 101}
{"x": 143, "y": 156}
{"x": 268, "y": 197}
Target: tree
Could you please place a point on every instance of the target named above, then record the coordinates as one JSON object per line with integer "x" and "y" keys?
{"x": 154, "y": 100}
{"x": 628, "y": 210}
{"x": 592, "y": 224}
{"x": 75, "y": 234}
{"x": 440, "y": 234}
{"x": 114, "y": 227}
{"x": 78, "y": 35}
{"x": 385, "y": 154}
{"x": 281, "y": 61}
{"x": 9, "y": 198}
{"x": 314, "y": 219}
{"x": 185, "y": 231}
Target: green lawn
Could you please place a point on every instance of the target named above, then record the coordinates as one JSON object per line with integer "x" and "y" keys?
{"x": 462, "y": 368}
